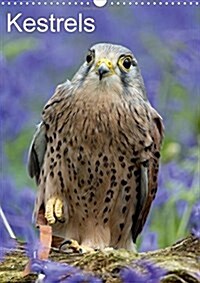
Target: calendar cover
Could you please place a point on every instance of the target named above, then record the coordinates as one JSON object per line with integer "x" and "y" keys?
{"x": 99, "y": 136}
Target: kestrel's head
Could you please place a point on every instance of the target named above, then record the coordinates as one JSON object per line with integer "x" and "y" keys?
{"x": 109, "y": 65}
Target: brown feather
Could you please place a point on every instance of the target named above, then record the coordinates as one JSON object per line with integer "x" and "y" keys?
{"x": 157, "y": 134}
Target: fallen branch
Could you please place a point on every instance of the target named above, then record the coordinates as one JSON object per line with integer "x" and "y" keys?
{"x": 182, "y": 262}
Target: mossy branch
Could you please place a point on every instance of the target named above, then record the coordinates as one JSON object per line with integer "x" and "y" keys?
{"x": 181, "y": 260}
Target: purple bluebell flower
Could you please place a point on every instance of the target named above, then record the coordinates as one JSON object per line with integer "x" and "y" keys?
{"x": 149, "y": 241}
{"x": 181, "y": 207}
{"x": 12, "y": 111}
{"x": 81, "y": 277}
{"x": 61, "y": 272}
{"x": 17, "y": 207}
{"x": 151, "y": 273}
{"x": 163, "y": 193}
{"x": 6, "y": 244}
{"x": 53, "y": 271}
{"x": 7, "y": 236}
{"x": 131, "y": 275}
{"x": 194, "y": 222}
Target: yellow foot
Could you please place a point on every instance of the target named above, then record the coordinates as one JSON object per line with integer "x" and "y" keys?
{"x": 54, "y": 210}
{"x": 72, "y": 246}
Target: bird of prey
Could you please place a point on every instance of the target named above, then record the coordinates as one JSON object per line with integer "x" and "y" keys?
{"x": 95, "y": 154}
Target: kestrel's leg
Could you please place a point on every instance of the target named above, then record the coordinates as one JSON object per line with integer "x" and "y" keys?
{"x": 54, "y": 210}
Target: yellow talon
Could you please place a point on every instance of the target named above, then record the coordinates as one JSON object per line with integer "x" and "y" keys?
{"x": 53, "y": 210}
{"x": 49, "y": 211}
{"x": 58, "y": 208}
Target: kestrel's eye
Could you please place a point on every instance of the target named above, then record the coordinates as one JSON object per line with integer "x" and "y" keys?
{"x": 125, "y": 63}
{"x": 90, "y": 57}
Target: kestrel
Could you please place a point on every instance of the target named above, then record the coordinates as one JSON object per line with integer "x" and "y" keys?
{"x": 95, "y": 154}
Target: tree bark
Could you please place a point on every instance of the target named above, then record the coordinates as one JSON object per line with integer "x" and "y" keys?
{"x": 181, "y": 260}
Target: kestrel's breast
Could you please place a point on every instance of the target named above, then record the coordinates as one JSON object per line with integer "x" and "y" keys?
{"x": 96, "y": 169}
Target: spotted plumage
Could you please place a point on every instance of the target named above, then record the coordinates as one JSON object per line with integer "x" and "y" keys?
{"x": 95, "y": 154}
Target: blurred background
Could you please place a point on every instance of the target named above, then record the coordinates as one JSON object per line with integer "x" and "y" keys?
{"x": 166, "y": 42}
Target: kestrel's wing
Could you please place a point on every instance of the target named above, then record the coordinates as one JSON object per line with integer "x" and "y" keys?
{"x": 148, "y": 178}
{"x": 39, "y": 143}
{"x": 37, "y": 151}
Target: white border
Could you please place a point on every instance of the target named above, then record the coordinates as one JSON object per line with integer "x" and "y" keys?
{"x": 45, "y": 3}
{"x": 88, "y": 3}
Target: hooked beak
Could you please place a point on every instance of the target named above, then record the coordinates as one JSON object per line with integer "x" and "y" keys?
{"x": 104, "y": 68}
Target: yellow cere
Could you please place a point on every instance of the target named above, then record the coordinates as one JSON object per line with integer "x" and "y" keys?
{"x": 105, "y": 61}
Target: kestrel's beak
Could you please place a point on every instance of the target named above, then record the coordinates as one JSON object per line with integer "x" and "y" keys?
{"x": 104, "y": 68}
